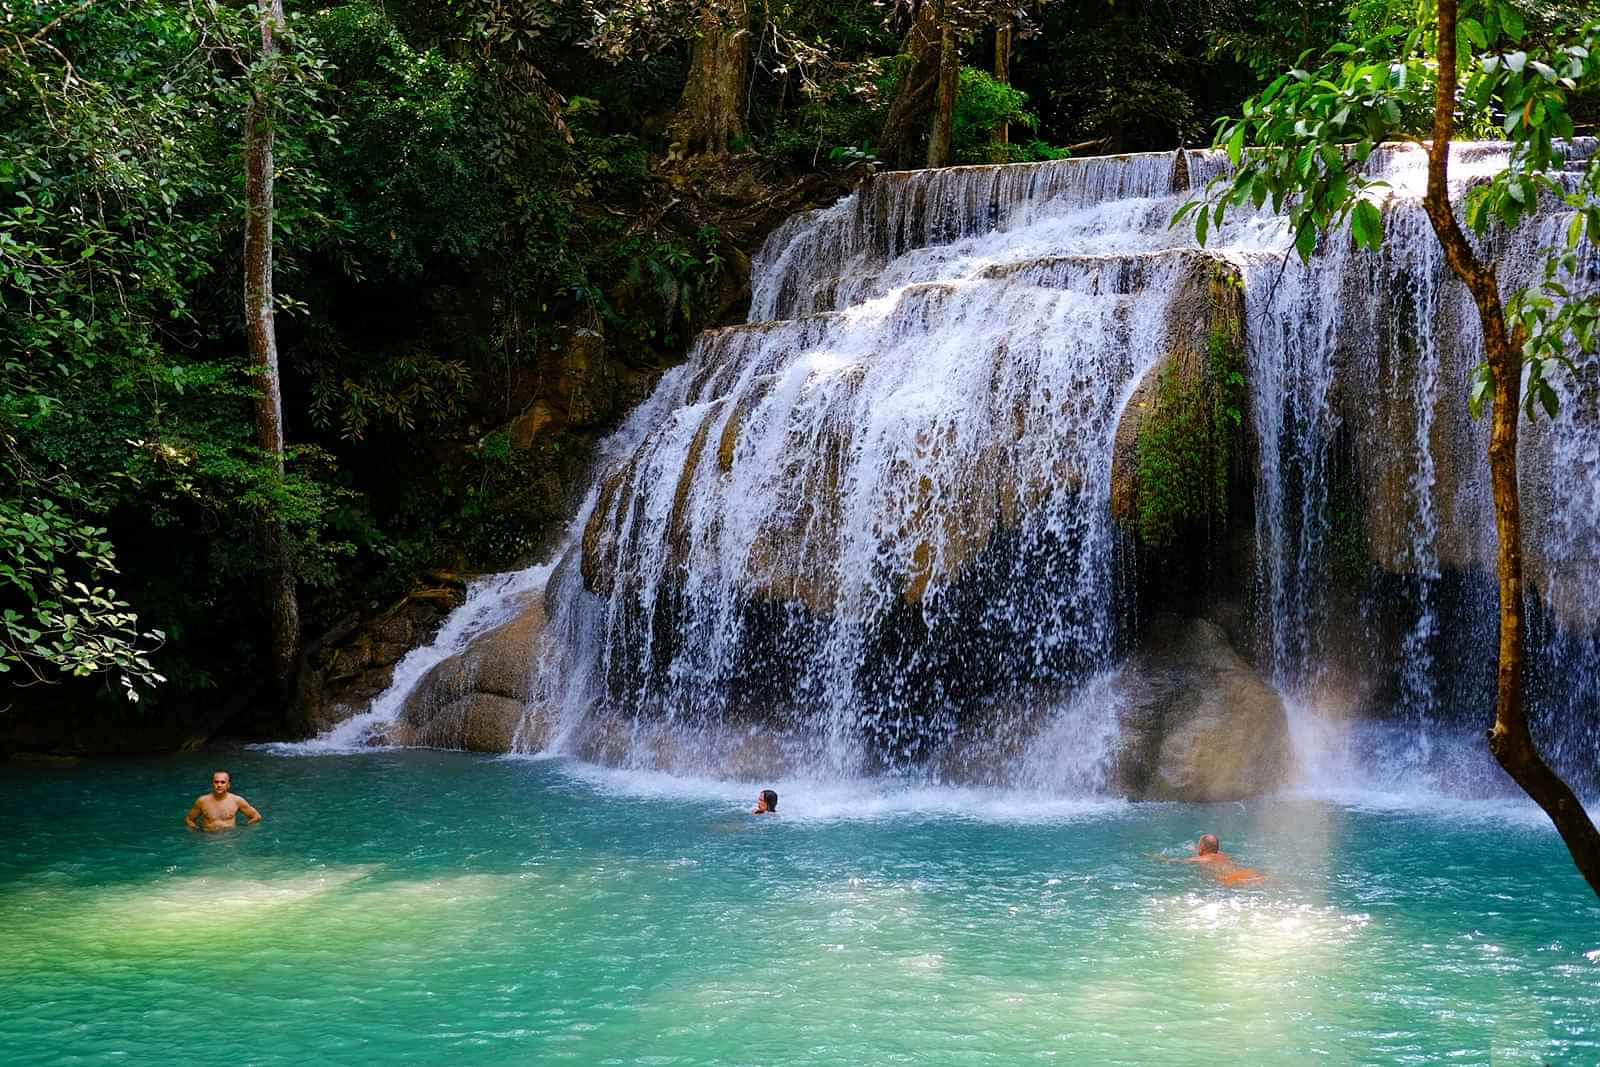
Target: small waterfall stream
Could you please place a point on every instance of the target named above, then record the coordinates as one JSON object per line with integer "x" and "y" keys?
{"x": 1374, "y": 521}
{"x": 869, "y": 531}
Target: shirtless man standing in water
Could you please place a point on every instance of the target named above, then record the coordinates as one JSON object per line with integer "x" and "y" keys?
{"x": 219, "y": 808}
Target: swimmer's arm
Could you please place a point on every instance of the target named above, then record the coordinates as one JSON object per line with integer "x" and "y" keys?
{"x": 248, "y": 809}
{"x": 194, "y": 812}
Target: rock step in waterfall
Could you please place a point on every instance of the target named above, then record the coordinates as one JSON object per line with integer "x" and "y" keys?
{"x": 917, "y": 515}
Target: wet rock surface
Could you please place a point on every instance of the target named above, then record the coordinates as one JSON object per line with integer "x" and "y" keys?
{"x": 1198, "y": 723}
{"x": 1171, "y": 419}
{"x": 476, "y": 700}
{"x": 345, "y": 668}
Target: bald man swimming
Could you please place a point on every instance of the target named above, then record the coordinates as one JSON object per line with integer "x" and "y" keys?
{"x": 1208, "y": 850}
{"x": 220, "y": 808}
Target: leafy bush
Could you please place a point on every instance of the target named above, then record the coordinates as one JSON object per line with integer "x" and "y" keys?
{"x": 982, "y": 103}
{"x": 843, "y": 113}
{"x": 64, "y": 622}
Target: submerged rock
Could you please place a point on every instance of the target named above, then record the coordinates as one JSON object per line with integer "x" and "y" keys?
{"x": 1198, "y": 723}
{"x": 725, "y": 750}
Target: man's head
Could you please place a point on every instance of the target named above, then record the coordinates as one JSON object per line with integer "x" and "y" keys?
{"x": 221, "y": 781}
{"x": 767, "y": 801}
{"x": 1208, "y": 845}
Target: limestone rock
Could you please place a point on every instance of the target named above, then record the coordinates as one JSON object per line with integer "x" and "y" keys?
{"x": 477, "y": 722}
{"x": 354, "y": 662}
{"x": 526, "y": 427}
{"x": 1198, "y": 723}
{"x": 477, "y": 699}
{"x": 579, "y": 368}
{"x": 1209, "y": 304}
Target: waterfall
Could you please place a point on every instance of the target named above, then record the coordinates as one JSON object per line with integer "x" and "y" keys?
{"x": 816, "y": 531}
{"x": 874, "y": 528}
{"x": 1373, "y": 490}
{"x": 870, "y": 529}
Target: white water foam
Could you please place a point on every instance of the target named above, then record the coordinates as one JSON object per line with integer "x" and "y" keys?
{"x": 822, "y": 800}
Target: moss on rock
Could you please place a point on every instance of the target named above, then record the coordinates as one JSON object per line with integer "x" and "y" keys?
{"x": 1182, "y": 435}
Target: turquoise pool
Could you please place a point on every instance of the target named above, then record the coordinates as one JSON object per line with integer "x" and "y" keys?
{"x": 433, "y": 908}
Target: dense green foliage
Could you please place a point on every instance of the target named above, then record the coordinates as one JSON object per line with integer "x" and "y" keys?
{"x": 434, "y": 239}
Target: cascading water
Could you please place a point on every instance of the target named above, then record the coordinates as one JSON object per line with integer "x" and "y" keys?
{"x": 871, "y": 530}
{"x": 1373, "y": 493}
{"x": 489, "y": 603}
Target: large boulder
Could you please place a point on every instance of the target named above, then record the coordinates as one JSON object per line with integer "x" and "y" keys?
{"x": 476, "y": 722}
{"x": 477, "y": 700}
{"x": 1198, "y": 723}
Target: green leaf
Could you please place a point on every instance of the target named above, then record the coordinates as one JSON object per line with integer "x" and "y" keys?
{"x": 1367, "y": 222}
{"x": 1547, "y": 397}
{"x": 1475, "y": 33}
{"x": 1481, "y": 381}
{"x": 1305, "y": 241}
{"x": 1511, "y": 21}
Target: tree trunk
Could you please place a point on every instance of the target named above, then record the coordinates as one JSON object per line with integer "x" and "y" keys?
{"x": 710, "y": 112}
{"x": 939, "y": 136}
{"x": 897, "y": 143}
{"x": 1509, "y": 740}
{"x": 1002, "y": 74}
{"x": 282, "y": 605}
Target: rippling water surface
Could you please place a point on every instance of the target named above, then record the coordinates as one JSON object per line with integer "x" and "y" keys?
{"x": 434, "y": 908}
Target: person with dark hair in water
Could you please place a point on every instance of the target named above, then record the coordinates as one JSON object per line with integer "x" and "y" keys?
{"x": 766, "y": 803}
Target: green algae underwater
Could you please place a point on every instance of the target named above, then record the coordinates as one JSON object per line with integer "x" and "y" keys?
{"x": 425, "y": 907}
